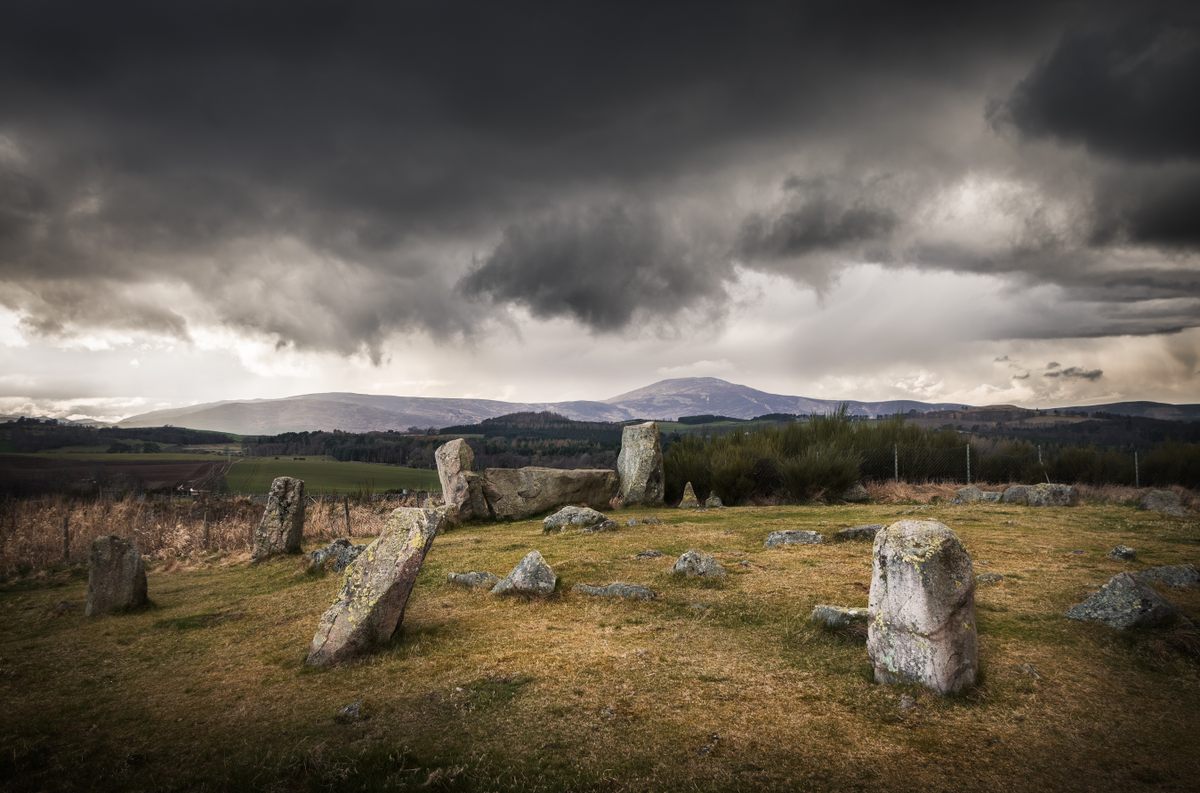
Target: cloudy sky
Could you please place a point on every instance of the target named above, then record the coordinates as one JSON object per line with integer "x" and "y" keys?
{"x": 213, "y": 200}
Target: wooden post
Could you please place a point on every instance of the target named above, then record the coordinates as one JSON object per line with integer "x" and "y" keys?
{"x": 66, "y": 534}
{"x": 205, "y": 528}
{"x": 346, "y": 507}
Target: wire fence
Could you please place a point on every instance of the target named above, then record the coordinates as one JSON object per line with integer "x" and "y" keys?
{"x": 972, "y": 463}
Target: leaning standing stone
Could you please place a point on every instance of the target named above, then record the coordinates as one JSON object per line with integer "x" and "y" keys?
{"x": 922, "y": 608}
{"x": 282, "y": 526}
{"x": 640, "y": 465}
{"x": 116, "y": 577}
{"x": 371, "y": 605}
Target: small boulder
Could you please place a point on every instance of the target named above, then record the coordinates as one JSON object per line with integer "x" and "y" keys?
{"x": 922, "y": 608}
{"x": 281, "y": 529}
{"x": 616, "y": 589}
{"x": 584, "y": 519}
{"x": 988, "y": 579}
{"x": 1017, "y": 494}
{"x": 473, "y": 580}
{"x": 968, "y": 495}
{"x": 778, "y": 539}
{"x": 865, "y": 532}
{"x": 370, "y": 607}
{"x": 689, "y": 498}
{"x": 336, "y": 556}
{"x": 836, "y": 617}
{"x": 856, "y": 494}
{"x": 1172, "y": 575}
{"x": 116, "y": 577}
{"x": 1123, "y": 603}
{"x": 1052, "y": 495}
{"x": 713, "y": 501}
{"x": 1122, "y": 553}
{"x": 1167, "y": 502}
{"x": 696, "y": 564}
{"x": 532, "y": 577}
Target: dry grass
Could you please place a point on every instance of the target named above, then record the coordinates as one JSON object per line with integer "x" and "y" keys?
{"x": 709, "y": 688}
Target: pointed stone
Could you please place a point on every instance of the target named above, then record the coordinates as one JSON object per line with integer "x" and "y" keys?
{"x": 640, "y": 465}
{"x": 462, "y": 488}
{"x": 116, "y": 577}
{"x": 1124, "y": 602}
{"x": 532, "y": 576}
{"x": 281, "y": 529}
{"x": 370, "y": 608}
{"x": 922, "y": 608}
{"x": 689, "y": 498}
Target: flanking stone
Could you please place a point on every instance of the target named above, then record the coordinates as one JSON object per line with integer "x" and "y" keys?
{"x": 370, "y": 607}
{"x": 837, "y": 617}
{"x": 697, "y": 564}
{"x": 777, "y": 539}
{"x": 617, "y": 589}
{"x": 116, "y": 577}
{"x": 1172, "y": 575}
{"x": 922, "y": 608}
{"x": 519, "y": 493}
{"x": 281, "y": 529}
{"x": 1123, "y": 553}
{"x": 336, "y": 556}
{"x": 584, "y": 519}
{"x": 865, "y": 532}
{"x": 531, "y": 577}
{"x": 640, "y": 465}
{"x": 462, "y": 488}
{"x": 1167, "y": 502}
{"x": 473, "y": 580}
{"x": 1124, "y": 603}
{"x": 689, "y": 500}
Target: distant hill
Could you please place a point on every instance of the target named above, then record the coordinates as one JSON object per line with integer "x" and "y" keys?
{"x": 667, "y": 399}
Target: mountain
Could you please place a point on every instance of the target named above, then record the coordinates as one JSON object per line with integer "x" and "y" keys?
{"x": 1148, "y": 410}
{"x": 668, "y": 399}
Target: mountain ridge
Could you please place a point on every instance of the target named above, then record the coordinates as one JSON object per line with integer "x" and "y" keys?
{"x": 665, "y": 400}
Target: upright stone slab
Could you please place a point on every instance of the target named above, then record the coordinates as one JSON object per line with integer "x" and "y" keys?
{"x": 640, "y": 465}
{"x": 116, "y": 577}
{"x": 371, "y": 604}
{"x": 462, "y": 488}
{"x": 282, "y": 526}
{"x": 689, "y": 500}
{"x": 922, "y": 608}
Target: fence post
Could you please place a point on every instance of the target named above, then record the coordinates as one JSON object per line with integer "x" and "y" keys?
{"x": 346, "y": 507}
{"x": 968, "y": 463}
{"x": 896, "y": 461}
{"x": 67, "y": 534}
{"x": 1137, "y": 474}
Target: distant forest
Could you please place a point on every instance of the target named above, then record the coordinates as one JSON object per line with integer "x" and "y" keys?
{"x": 27, "y": 435}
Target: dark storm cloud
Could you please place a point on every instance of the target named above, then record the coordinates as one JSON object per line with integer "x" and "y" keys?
{"x": 1076, "y": 373}
{"x": 323, "y": 173}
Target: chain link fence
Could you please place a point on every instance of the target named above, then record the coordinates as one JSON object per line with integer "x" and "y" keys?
{"x": 971, "y": 463}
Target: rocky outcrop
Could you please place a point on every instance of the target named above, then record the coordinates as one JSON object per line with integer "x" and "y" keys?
{"x": 689, "y": 500}
{"x": 1124, "y": 603}
{"x": 462, "y": 488}
{"x": 584, "y": 519}
{"x": 531, "y": 577}
{"x": 1043, "y": 495}
{"x": 281, "y": 529}
{"x": 519, "y": 493}
{"x": 1167, "y": 502}
{"x": 116, "y": 577}
{"x": 696, "y": 564}
{"x": 370, "y": 607}
{"x": 617, "y": 589}
{"x": 335, "y": 557}
{"x": 866, "y": 532}
{"x": 922, "y": 608}
{"x": 640, "y": 465}
{"x": 777, "y": 539}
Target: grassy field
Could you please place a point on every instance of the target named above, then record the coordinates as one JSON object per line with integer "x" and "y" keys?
{"x": 326, "y": 475}
{"x": 723, "y": 687}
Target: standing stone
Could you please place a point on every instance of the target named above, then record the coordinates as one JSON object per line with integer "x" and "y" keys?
{"x": 116, "y": 577}
{"x": 282, "y": 526}
{"x": 689, "y": 500}
{"x": 462, "y": 488}
{"x": 922, "y": 608}
{"x": 531, "y": 576}
{"x": 371, "y": 605}
{"x": 640, "y": 465}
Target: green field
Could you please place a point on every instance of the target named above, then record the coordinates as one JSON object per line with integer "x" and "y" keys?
{"x": 326, "y": 475}
{"x": 101, "y": 456}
